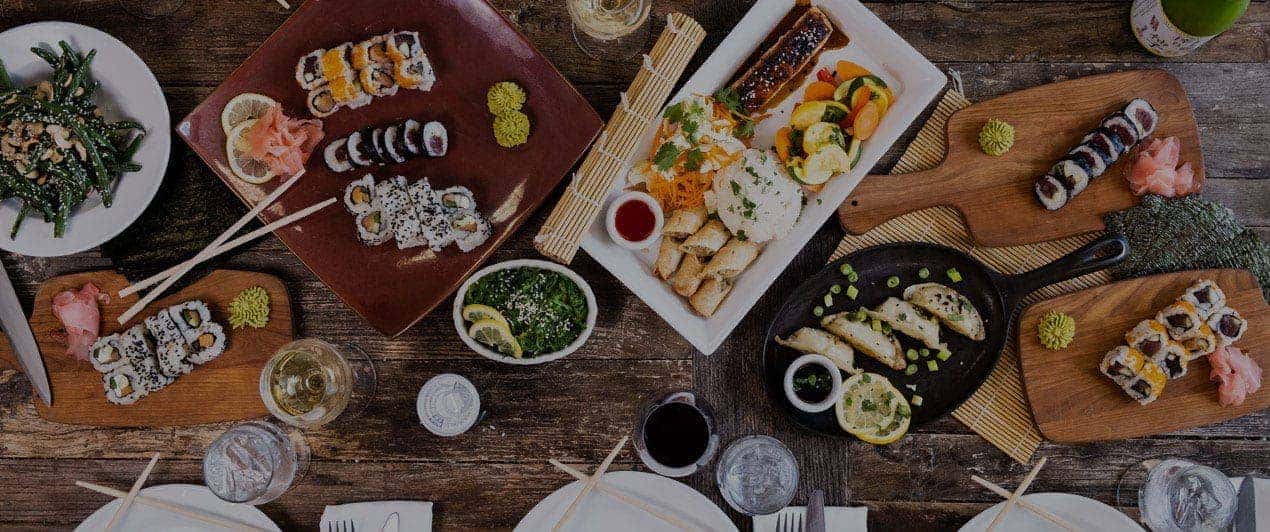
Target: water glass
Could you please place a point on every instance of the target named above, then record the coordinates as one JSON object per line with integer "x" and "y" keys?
{"x": 1182, "y": 495}
{"x": 757, "y": 475}
{"x": 255, "y": 462}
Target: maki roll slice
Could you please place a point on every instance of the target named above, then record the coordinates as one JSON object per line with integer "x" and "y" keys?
{"x": 1104, "y": 147}
{"x": 1202, "y": 343}
{"x": 1206, "y": 296}
{"x": 163, "y": 328}
{"x": 361, "y": 151}
{"x": 404, "y": 46}
{"x": 169, "y": 345}
{"x": 377, "y": 80}
{"x": 1149, "y": 337}
{"x": 378, "y": 147}
{"x": 392, "y": 136}
{"x": 1172, "y": 358}
{"x": 1088, "y": 159}
{"x": 415, "y": 73}
{"x": 208, "y": 343}
{"x": 123, "y": 386}
{"x": 395, "y": 200}
{"x": 1122, "y": 364}
{"x": 106, "y": 354}
{"x": 321, "y": 102}
{"x": 138, "y": 350}
{"x": 308, "y": 71}
{"x": 470, "y": 230}
{"x": 1071, "y": 175}
{"x": 1227, "y": 325}
{"x": 336, "y": 156}
{"x": 372, "y": 227}
{"x": 410, "y": 140}
{"x": 1143, "y": 116}
{"x": 434, "y": 139}
{"x": 1147, "y": 385}
{"x": 359, "y": 196}
{"x": 458, "y": 198}
{"x": 1122, "y": 129}
{"x": 189, "y": 316}
{"x": 1181, "y": 319}
{"x": 1050, "y": 191}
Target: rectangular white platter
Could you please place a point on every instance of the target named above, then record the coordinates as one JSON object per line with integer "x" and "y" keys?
{"x": 873, "y": 45}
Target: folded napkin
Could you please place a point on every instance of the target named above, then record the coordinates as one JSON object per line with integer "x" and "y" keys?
{"x": 837, "y": 519}
{"x": 371, "y": 516}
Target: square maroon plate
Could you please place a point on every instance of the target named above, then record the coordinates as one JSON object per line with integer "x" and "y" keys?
{"x": 471, "y": 46}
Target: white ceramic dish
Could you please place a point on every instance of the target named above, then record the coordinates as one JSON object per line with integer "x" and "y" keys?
{"x": 142, "y": 517}
{"x": 835, "y": 389}
{"x": 461, "y": 326}
{"x": 610, "y": 220}
{"x": 1082, "y": 512}
{"x": 873, "y": 45}
{"x": 128, "y": 90}
{"x": 601, "y": 512}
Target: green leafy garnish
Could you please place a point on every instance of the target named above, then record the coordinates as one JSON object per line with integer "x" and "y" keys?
{"x": 666, "y": 156}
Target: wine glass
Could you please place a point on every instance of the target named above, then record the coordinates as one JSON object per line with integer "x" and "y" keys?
{"x": 609, "y": 24}
{"x": 310, "y": 382}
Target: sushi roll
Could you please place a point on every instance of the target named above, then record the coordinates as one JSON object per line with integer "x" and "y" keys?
{"x": 138, "y": 350}
{"x": 123, "y": 386}
{"x": 392, "y": 136}
{"x": 208, "y": 343}
{"x": 434, "y": 139}
{"x": 360, "y": 149}
{"x": 340, "y": 76}
{"x": 1147, "y": 385}
{"x": 173, "y": 358}
{"x": 470, "y": 230}
{"x": 1089, "y": 160}
{"x": 378, "y": 49}
{"x": 359, "y": 196}
{"x": 410, "y": 139}
{"x": 1206, "y": 296}
{"x": 1143, "y": 116}
{"x": 378, "y": 147}
{"x": 457, "y": 198}
{"x": 395, "y": 200}
{"x": 321, "y": 102}
{"x": 405, "y": 46}
{"x": 164, "y": 329}
{"x": 359, "y": 55}
{"x": 1121, "y": 129}
{"x": 1050, "y": 191}
{"x": 1072, "y": 176}
{"x": 1117, "y": 146}
{"x": 1104, "y": 147}
{"x": 1149, "y": 337}
{"x": 1227, "y": 325}
{"x": 372, "y": 227}
{"x": 336, "y": 156}
{"x": 189, "y": 316}
{"x": 1172, "y": 358}
{"x": 106, "y": 354}
{"x": 308, "y": 71}
{"x": 377, "y": 80}
{"x": 1122, "y": 364}
{"x": 1202, "y": 343}
{"x": 415, "y": 73}
{"x": 1181, "y": 319}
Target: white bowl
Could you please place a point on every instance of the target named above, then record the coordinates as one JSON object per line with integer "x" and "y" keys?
{"x": 610, "y": 222}
{"x": 835, "y": 389}
{"x": 461, "y": 326}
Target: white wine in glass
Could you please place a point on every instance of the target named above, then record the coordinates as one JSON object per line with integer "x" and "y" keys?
{"x": 308, "y": 383}
{"x": 606, "y": 21}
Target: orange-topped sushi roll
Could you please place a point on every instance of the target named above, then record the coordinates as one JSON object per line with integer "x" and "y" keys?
{"x": 1147, "y": 385}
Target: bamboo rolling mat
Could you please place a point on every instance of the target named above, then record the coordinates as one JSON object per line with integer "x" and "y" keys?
{"x": 640, "y": 108}
{"x": 998, "y": 411}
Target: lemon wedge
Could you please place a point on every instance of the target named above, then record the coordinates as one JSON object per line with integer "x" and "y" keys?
{"x": 244, "y": 107}
{"x": 873, "y": 410}
{"x": 496, "y": 335}
{"x": 246, "y": 168}
{"x": 476, "y": 313}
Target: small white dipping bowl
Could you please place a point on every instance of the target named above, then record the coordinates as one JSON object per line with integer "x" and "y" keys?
{"x": 835, "y": 389}
{"x": 491, "y": 354}
{"x": 610, "y": 221}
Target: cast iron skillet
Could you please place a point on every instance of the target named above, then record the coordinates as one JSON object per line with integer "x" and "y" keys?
{"x": 996, "y": 296}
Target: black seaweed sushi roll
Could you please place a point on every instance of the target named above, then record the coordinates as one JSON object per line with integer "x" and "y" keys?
{"x": 410, "y": 137}
{"x": 392, "y": 141}
{"x": 1113, "y": 140}
{"x": 1122, "y": 129}
{"x": 360, "y": 149}
{"x": 1050, "y": 191}
{"x": 336, "y": 156}
{"x": 378, "y": 146}
{"x": 435, "y": 139}
{"x": 1071, "y": 175}
{"x": 1143, "y": 116}
{"x": 1089, "y": 159}
{"x": 1102, "y": 145}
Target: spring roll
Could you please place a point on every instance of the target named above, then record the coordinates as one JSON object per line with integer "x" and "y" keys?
{"x": 684, "y": 222}
{"x": 668, "y": 258}
{"x": 710, "y": 296}
{"x": 707, "y": 240}
{"x": 731, "y": 259}
{"x": 688, "y": 277}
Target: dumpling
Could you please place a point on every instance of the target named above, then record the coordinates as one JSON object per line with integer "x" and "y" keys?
{"x": 812, "y": 340}
{"x": 884, "y": 347}
{"x": 908, "y": 320}
{"x": 952, "y": 308}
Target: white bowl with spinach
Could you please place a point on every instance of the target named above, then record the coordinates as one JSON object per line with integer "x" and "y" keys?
{"x": 548, "y": 309}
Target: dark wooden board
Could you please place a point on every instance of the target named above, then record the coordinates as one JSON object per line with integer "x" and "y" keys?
{"x": 1072, "y": 402}
{"x": 994, "y": 194}
{"x": 225, "y": 389}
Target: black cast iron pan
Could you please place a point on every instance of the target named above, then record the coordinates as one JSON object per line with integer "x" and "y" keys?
{"x": 995, "y": 295}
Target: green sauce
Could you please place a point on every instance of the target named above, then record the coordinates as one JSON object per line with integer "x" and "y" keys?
{"x": 545, "y": 310}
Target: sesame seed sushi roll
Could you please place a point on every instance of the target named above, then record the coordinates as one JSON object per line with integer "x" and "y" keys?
{"x": 163, "y": 328}
{"x": 336, "y": 156}
{"x": 406, "y": 228}
{"x": 470, "y": 229}
{"x": 1143, "y": 117}
{"x": 1122, "y": 364}
{"x": 1072, "y": 176}
{"x": 1148, "y": 336}
{"x": 405, "y": 46}
{"x": 435, "y": 139}
{"x": 1181, "y": 319}
{"x": 359, "y": 196}
{"x": 1122, "y": 129}
{"x": 308, "y": 71}
{"x": 1202, "y": 343}
{"x": 372, "y": 228}
{"x": 173, "y": 358}
{"x": 1089, "y": 160}
{"x": 415, "y": 74}
{"x": 1227, "y": 325}
{"x": 1147, "y": 385}
{"x": 123, "y": 385}
{"x": 1206, "y": 296}
{"x": 138, "y": 350}
{"x": 208, "y": 343}
{"x": 1172, "y": 358}
{"x": 106, "y": 354}
{"x": 321, "y": 102}
{"x": 189, "y": 316}
{"x": 1050, "y": 192}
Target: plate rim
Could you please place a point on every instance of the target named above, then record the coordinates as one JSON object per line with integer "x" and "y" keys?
{"x": 633, "y": 474}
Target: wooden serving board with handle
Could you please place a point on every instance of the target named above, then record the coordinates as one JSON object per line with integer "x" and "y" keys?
{"x": 994, "y": 194}
{"x": 1073, "y": 402}
{"x": 225, "y": 389}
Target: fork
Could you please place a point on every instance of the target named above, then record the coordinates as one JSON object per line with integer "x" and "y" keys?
{"x": 346, "y": 525}
{"x": 789, "y": 522}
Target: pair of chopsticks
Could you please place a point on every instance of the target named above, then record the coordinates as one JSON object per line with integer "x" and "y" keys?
{"x": 131, "y": 496}
{"x": 594, "y": 482}
{"x": 218, "y": 246}
{"x": 1016, "y": 497}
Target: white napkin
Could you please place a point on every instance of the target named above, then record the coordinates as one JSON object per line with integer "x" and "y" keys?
{"x": 837, "y": 518}
{"x": 371, "y": 516}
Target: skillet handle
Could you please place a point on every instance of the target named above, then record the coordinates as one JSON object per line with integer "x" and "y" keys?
{"x": 1098, "y": 255}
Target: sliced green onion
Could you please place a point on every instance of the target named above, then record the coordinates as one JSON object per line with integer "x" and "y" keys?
{"x": 828, "y": 300}
{"x": 886, "y": 328}
{"x": 892, "y": 281}
{"x": 925, "y": 352}
{"x": 924, "y": 273}
{"x": 954, "y": 275}
{"x": 932, "y": 365}
{"x": 845, "y": 269}
{"x": 911, "y": 354}
{"x": 910, "y": 370}
{"x": 917, "y": 400}
{"x": 835, "y": 289}
{"x": 818, "y": 311}
{"x": 859, "y": 315}
{"x": 853, "y": 276}
{"x": 943, "y": 355}
{"x": 852, "y": 292}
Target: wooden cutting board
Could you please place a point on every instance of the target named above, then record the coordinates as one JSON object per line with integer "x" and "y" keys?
{"x": 1072, "y": 402}
{"x": 994, "y": 194}
{"x": 225, "y": 389}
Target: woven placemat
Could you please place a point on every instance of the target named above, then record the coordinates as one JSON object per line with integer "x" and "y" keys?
{"x": 998, "y": 411}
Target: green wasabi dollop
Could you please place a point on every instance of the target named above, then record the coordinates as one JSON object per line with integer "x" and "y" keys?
{"x": 505, "y": 97}
{"x": 250, "y": 307}
{"x": 996, "y": 137}
{"x": 1056, "y": 330}
{"x": 511, "y": 129}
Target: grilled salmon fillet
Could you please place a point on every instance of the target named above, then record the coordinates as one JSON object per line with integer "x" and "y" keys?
{"x": 793, "y": 52}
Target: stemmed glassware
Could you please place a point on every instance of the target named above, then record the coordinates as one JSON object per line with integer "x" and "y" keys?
{"x": 609, "y": 24}
{"x": 310, "y": 382}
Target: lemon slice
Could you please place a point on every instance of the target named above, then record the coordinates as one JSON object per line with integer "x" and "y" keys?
{"x": 873, "y": 410}
{"x": 244, "y": 107}
{"x": 496, "y": 335}
{"x": 482, "y": 312}
{"x": 246, "y": 168}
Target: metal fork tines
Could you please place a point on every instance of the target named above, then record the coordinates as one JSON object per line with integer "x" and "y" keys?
{"x": 346, "y": 525}
{"x": 790, "y": 522}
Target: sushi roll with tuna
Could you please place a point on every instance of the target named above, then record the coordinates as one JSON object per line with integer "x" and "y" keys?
{"x": 1122, "y": 129}
{"x": 308, "y": 71}
{"x": 1147, "y": 385}
{"x": 106, "y": 354}
{"x": 1181, "y": 319}
{"x": 434, "y": 139}
{"x": 1172, "y": 358}
{"x": 1227, "y": 325}
{"x": 1202, "y": 343}
{"x": 377, "y": 80}
{"x": 359, "y": 196}
{"x": 1089, "y": 160}
{"x": 361, "y": 151}
{"x": 1122, "y": 364}
{"x": 1149, "y": 337}
{"x": 1206, "y": 296}
{"x": 336, "y": 156}
{"x": 1143, "y": 116}
{"x": 410, "y": 138}
{"x": 321, "y": 102}
{"x": 1105, "y": 147}
{"x": 471, "y": 230}
{"x": 1072, "y": 176}
{"x": 208, "y": 343}
{"x": 1050, "y": 191}
{"x": 189, "y": 316}
{"x": 138, "y": 350}
{"x": 395, "y": 200}
{"x": 378, "y": 146}
{"x": 392, "y": 143}
{"x": 123, "y": 386}
{"x": 415, "y": 73}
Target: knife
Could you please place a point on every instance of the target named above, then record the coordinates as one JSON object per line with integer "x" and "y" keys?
{"x": 392, "y": 524}
{"x": 13, "y": 322}
{"x": 816, "y": 512}
{"x": 1246, "y": 507}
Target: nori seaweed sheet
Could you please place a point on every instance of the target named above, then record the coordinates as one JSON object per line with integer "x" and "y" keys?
{"x": 1168, "y": 235}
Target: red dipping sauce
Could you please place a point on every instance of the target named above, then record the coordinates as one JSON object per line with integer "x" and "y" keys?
{"x": 635, "y": 220}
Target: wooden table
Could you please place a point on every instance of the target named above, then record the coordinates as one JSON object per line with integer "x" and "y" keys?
{"x": 575, "y": 409}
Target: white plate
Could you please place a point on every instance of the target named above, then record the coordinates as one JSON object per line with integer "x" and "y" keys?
{"x": 1082, "y": 512}
{"x": 873, "y": 45}
{"x": 128, "y": 90}
{"x": 601, "y": 512}
{"x": 142, "y": 517}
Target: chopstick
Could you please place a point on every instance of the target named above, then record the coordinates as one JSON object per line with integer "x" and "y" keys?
{"x": 284, "y": 4}
{"x": 619, "y": 495}
{"x": 192, "y": 513}
{"x": 590, "y": 484}
{"x": 1004, "y": 493}
{"x": 132, "y": 493}
{"x": 1018, "y": 492}
{"x": 228, "y": 246}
